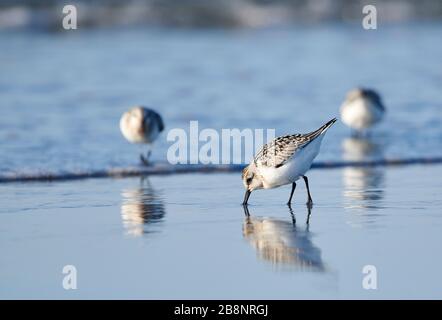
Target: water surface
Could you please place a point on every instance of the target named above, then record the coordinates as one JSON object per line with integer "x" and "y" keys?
{"x": 187, "y": 237}
{"x": 62, "y": 94}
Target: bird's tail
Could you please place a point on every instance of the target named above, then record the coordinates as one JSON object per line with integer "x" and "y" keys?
{"x": 326, "y": 126}
{"x": 309, "y": 137}
{"x": 313, "y": 135}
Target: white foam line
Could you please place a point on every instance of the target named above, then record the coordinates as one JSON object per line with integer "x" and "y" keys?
{"x": 166, "y": 169}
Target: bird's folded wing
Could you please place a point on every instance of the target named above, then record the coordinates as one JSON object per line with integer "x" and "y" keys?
{"x": 152, "y": 118}
{"x": 280, "y": 150}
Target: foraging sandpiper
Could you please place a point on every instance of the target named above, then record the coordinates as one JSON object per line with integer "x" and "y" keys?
{"x": 283, "y": 161}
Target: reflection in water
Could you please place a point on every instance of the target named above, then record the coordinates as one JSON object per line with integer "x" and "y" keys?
{"x": 282, "y": 243}
{"x": 141, "y": 207}
{"x": 363, "y": 184}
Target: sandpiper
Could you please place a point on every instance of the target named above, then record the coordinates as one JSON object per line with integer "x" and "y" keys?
{"x": 142, "y": 126}
{"x": 283, "y": 161}
{"x": 362, "y": 109}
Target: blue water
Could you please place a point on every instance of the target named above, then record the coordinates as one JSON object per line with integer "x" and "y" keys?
{"x": 186, "y": 236}
{"x": 61, "y": 94}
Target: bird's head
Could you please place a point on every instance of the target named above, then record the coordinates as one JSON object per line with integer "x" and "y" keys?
{"x": 251, "y": 179}
{"x": 366, "y": 94}
{"x": 136, "y": 113}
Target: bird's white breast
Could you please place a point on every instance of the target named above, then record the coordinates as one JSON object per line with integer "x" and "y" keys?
{"x": 132, "y": 129}
{"x": 294, "y": 168}
{"x": 360, "y": 114}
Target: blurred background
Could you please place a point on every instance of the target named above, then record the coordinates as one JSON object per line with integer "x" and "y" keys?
{"x": 228, "y": 64}
{"x": 45, "y": 14}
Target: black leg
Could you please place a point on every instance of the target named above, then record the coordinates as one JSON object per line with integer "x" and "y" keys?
{"x": 246, "y": 211}
{"x": 310, "y": 200}
{"x": 292, "y": 214}
{"x": 145, "y": 159}
{"x": 291, "y": 193}
{"x": 246, "y": 197}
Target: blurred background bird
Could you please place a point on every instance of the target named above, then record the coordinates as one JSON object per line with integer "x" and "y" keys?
{"x": 141, "y": 125}
{"x": 362, "y": 109}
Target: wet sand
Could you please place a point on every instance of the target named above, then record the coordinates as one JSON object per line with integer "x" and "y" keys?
{"x": 186, "y": 236}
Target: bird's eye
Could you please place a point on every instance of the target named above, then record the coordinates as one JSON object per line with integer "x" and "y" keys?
{"x": 249, "y": 180}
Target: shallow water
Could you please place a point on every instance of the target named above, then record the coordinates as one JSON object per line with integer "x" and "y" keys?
{"x": 61, "y": 94}
{"x": 186, "y": 236}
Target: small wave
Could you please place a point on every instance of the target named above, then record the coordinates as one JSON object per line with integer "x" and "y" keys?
{"x": 167, "y": 169}
{"x": 199, "y": 13}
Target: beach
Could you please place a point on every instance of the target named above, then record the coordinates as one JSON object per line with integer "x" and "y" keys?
{"x": 80, "y": 218}
{"x": 186, "y": 237}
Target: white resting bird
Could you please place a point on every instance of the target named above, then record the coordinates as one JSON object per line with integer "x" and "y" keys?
{"x": 141, "y": 125}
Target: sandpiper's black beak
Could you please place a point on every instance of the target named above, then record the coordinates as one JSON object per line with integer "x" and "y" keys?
{"x": 246, "y": 197}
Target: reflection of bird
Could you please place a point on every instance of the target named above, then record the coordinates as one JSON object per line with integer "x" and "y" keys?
{"x": 362, "y": 109}
{"x": 141, "y": 206}
{"x": 284, "y": 160}
{"x": 141, "y": 125}
{"x": 362, "y": 183}
{"x": 282, "y": 242}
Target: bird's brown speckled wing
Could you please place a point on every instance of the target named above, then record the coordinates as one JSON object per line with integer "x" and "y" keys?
{"x": 278, "y": 151}
{"x": 153, "y": 119}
